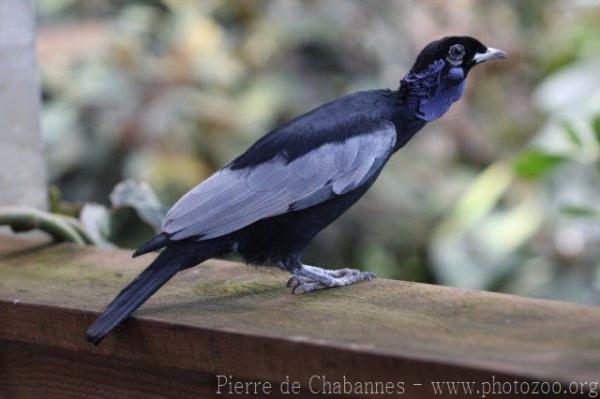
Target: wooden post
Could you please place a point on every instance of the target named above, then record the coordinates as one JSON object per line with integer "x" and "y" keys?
{"x": 22, "y": 175}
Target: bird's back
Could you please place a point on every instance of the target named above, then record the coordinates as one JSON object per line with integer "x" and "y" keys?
{"x": 335, "y": 121}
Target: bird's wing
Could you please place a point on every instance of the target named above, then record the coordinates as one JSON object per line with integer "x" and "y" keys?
{"x": 234, "y": 198}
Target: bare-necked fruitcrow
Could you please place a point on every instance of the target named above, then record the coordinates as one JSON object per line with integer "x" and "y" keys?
{"x": 269, "y": 203}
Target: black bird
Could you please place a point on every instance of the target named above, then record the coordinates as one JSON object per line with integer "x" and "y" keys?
{"x": 269, "y": 203}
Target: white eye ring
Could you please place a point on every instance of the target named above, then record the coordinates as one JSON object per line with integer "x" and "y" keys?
{"x": 456, "y": 54}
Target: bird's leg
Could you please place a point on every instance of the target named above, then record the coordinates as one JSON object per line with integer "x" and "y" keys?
{"x": 311, "y": 278}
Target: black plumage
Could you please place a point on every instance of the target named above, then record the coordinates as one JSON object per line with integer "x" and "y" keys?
{"x": 269, "y": 203}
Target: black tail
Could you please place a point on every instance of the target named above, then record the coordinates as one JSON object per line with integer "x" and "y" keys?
{"x": 175, "y": 257}
{"x": 157, "y": 242}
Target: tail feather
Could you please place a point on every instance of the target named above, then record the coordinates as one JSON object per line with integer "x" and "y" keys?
{"x": 174, "y": 258}
{"x": 157, "y": 242}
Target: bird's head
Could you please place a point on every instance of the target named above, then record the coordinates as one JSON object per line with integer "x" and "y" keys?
{"x": 438, "y": 76}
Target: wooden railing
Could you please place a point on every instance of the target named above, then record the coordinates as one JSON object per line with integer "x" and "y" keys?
{"x": 222, "y": 323}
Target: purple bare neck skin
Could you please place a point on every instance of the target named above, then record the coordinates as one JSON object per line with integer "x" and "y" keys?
{"x": 433, "y": 91}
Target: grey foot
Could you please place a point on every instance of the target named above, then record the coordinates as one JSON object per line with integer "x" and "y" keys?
{"x": 311, "y": 278}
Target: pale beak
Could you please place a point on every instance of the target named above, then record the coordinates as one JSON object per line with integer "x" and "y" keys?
{"x": 490, "y": 54}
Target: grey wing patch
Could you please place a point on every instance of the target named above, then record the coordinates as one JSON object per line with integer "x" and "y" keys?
{"x": 232, "y": 199}
{"x": 321, "y": 195}
{"x": 371, "y": 157}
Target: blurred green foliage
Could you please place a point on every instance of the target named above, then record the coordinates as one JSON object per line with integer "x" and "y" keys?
{"x": 536, "y": 163}
{"x": 501, "y": 194}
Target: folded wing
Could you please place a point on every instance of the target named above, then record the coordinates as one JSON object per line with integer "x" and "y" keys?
{"x": 234, "y": 198}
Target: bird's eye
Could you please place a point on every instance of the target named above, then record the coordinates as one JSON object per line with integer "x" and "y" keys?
{"x": 456, "y": 52}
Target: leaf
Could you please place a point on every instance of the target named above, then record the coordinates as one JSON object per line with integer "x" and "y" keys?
{"x": 572, "y": 133}
{"x": 480, "y": 198}
{"x": 596, "y": 127}
{"x": 58, "y": 206}
{"x": 25, "y": 219}
{"x": 140, "y": 197}
{"x": 96, "y": 221}
{"x": 536, "y": 163}
{"x": 579, "y": 211}
{"x": 127, "y": 229}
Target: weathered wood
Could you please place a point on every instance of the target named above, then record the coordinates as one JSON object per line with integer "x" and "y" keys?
{"x": 227, "y": 318}
{"x": 40, "y": 372}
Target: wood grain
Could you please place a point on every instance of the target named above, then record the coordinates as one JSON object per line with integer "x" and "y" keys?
{"x": 34, "y": 371}
{"x": 227, "y": 318}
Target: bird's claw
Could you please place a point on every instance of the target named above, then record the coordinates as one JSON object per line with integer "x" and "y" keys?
{"x": 332, "y": 278}
{"x": 295, "y": 280}
{"x": 308, "y": 286}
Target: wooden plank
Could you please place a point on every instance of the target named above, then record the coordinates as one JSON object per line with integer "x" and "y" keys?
{"x": 227, "y": 318}
{"x": 33, "y": 371}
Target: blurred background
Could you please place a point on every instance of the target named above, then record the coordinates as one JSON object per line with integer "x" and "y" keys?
{"x": 502, "y": 193}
